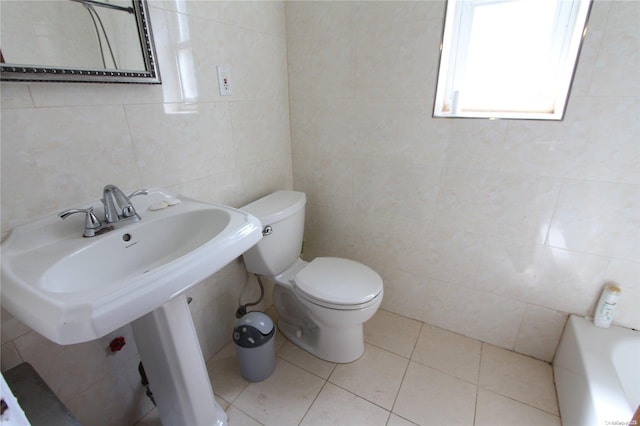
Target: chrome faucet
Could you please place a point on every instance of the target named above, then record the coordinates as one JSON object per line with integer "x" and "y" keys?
{"x": 118, "y": 210}
{"x": 117, "y": 206}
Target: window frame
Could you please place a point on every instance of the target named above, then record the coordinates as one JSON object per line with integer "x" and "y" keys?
{"x": 454, "y": 53}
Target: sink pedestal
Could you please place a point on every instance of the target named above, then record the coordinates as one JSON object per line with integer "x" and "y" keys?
{"x": 172, "y": 358}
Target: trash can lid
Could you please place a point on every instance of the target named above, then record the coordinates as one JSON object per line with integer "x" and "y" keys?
{"x": 258, "y": 320}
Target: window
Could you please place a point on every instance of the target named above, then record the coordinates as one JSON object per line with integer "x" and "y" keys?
{"x": 509, "y": 58}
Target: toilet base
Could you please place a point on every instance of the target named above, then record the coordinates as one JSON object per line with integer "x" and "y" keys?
{"x": 334, "y": 345}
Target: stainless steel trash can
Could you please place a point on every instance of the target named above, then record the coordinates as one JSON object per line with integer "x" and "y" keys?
{"x": 254, "y": 335}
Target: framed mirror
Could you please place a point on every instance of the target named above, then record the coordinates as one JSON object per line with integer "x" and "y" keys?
{"x": 98, "y": 41}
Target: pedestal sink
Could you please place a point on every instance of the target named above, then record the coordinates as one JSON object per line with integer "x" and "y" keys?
{"x": 73, "y": 289}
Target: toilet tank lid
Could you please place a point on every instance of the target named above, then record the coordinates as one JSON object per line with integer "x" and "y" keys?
{"x": 276, "y": 206}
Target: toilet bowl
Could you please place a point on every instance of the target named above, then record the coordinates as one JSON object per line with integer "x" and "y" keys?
{"x": 323, "y": 304}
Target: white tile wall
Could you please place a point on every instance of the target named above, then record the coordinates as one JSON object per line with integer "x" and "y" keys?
{"x": 61, "y": 143}
{"x": 493, "y": 229}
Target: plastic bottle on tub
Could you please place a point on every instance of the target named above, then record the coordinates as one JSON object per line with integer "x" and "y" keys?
{"x": 606, "y": 306}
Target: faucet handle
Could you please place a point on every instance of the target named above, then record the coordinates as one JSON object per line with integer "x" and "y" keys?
{"x": 142, "y": 191}
{"x": 128, "y": 210}
{"x": 91, "y": 222}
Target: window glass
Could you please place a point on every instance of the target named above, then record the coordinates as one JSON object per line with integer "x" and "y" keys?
{"x": 509, "y": 58}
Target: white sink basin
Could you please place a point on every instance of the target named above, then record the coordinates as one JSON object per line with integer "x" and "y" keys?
{"x": 73, "y": 289}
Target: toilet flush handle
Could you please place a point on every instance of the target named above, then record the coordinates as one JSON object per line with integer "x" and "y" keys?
{"x": 267, "y": 230}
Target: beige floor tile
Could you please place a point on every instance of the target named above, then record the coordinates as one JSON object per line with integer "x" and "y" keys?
{"x": 448, "y": 352}
{"x": 430, "y": 397}
{"x": 336, "y": 406}
{"x": 392, "y": 332}
{"x": 518, "y": 377}
{"x": 304, "y": 359}
{"x": 224, "y": 373}
{"x": 151, "y": 419}
{"x": 9, "y": 356}
{"x": 282, "y": 399}
{"x": 436, "y": 387}
{"x": 395, "y": 420}
{"x": 238, "y": 418}
{"x": 493, "y": 409}
{"x": 376, "y": 376}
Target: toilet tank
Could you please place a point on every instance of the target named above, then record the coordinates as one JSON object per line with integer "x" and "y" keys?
{"x": 283, "y": 212}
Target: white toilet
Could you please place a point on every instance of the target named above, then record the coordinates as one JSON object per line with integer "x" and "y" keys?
{"x": 323, "y": 304}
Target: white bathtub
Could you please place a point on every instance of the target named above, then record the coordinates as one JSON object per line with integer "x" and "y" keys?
{"x": 597, "y": 374}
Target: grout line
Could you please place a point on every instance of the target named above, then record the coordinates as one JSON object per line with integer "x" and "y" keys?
{"x": 480, "y": 363}
{"x": 475, "y": 408}
{"x": 522, "y": 319}
{"x": 313, "y": 402}
{"x": 359, "y": 396}
{"x": 404, "y": 376}
{"x": 415, "y": 344}
{"x": 521, "y": 402}
{"x": 509, "y": 396}
{"x": 243, "y": 412}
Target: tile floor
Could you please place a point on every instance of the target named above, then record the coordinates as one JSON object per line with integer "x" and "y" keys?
{"x": 411, "y": 374}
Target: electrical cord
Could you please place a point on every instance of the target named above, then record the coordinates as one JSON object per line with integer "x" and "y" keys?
{"x": 242, "y": 310}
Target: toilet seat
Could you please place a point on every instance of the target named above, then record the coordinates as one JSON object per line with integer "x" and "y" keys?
{"x": 338, "y": 283}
